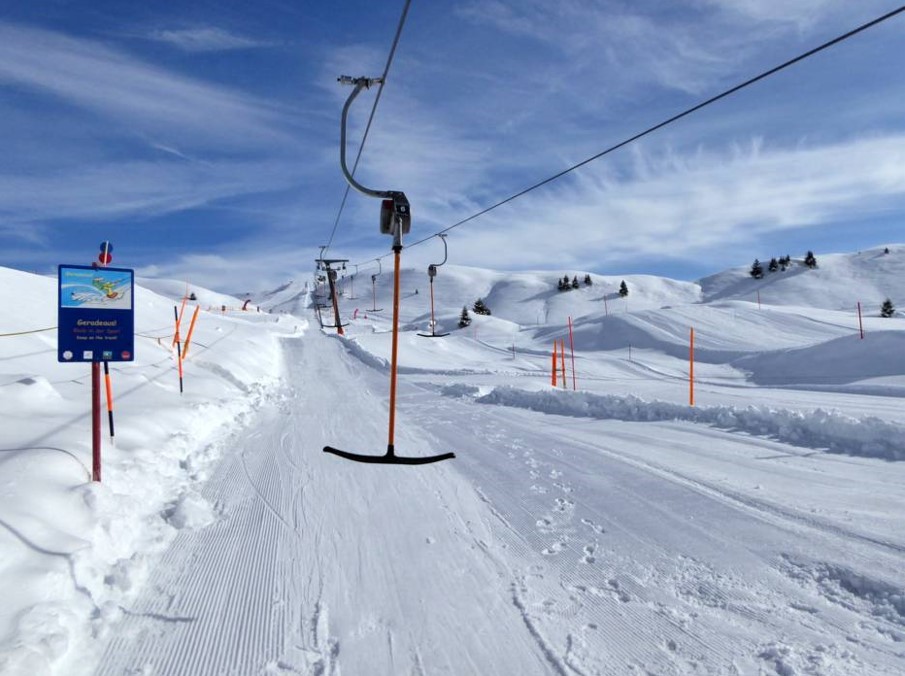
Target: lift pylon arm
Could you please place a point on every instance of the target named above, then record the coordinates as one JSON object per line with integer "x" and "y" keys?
{"x": 395, "y": 220}
{"x": 359, "y": 84}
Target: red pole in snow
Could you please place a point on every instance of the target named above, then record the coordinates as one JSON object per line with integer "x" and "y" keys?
{"x": 562, "y": 359}
{"x": 95, "y": 421}
{"x": 188, "y": 338}
{"x": 860, "y": 324}
{"x": 107, "y": 384}
{"x": 572, "y": 351}
{"x": 109, "y": 389}
{"x": 553, "y": 371}
{"x": 691, "y": 368}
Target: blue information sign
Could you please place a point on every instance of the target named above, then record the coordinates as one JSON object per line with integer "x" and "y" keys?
{"x": 96, "y": 316}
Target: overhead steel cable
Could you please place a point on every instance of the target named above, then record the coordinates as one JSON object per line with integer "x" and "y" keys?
{"x": 674, "y": 118}
{"x": 364, "y": 138}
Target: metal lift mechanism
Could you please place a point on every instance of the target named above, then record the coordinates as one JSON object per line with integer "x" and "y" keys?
{"x": 431, "y": 273}
{"x": 374, "y": 287}
{"x": 352, "y": 283}
{"x": 331, "y": 277}
{"x": 395, "y": 220}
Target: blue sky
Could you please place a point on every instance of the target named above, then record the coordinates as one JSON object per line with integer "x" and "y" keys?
{"x": 202, "y": 138}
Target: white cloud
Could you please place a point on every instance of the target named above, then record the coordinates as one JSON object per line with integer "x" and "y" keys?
{"x": 135, "y": 188}
{"x": 260, "y": 269}
{"x": 803, "y": 14}
{"x": 133, "y": 95}
{"x": 205, "y": 39}
{"x": 683, "y": 207}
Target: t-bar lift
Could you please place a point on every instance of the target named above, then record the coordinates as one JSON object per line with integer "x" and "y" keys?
{"x": 325, "y": 263}
{"x": 374, "y": 286}
{"x": 395, "y": 220}
{"x": 431, "y": 273}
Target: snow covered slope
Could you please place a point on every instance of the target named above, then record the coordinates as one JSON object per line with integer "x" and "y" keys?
{"x": 838, "y": 282}
{"x": 607, "y": 527}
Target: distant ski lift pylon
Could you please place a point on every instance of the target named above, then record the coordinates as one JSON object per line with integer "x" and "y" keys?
{"x": 374, "y": 287}
{"x": 395, "y": 220}
{"x": 431, "y": 273}
{"x": 331, "y": 278}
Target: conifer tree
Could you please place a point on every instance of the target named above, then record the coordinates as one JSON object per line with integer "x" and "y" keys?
{"x": 587, "y": 280}
{"x": 464, "y": 319}
{"x": 575, "y": 282}
{"x": 810, "y": 261}
{"x": 887, "y": 309}
{"x": 623, "y": 289}
{"x": 479, "y": 308}
{"x": 773, "y": 265}
{"x": 757, "y": 270}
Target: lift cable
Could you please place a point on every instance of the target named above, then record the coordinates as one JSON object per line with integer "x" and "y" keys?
{"x": 674, "y": 118}
{"x": 364, "y": 138}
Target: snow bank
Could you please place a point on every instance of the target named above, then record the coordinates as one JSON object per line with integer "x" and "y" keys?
{"x": 74, "y": 552}
{"x": 819, "y": 429}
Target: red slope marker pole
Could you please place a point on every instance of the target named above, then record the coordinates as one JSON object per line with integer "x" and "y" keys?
{"x": 553, "y": 370}
{"x": 179, "y": 319}
{"x": 188, "y": 338}
{"x": 108, "y": 385}
{"x": 691, "y": 368}
{"x": 562, "y": 355}
{"x": 572, "y": 352}
{"x": 109, "y": 389}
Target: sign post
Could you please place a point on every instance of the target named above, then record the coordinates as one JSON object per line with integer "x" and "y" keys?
{"x": 96, "y": 323}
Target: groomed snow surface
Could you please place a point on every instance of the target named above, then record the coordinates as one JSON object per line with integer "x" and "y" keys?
{"x": 608, "y": 527}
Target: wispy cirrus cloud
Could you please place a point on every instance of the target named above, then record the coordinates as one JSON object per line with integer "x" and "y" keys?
{"x": 115, "y": 189}
{"x": 132, "y": 94}
{"x": 205, "y": 39}
{"x": 117, "y": 136}
{"x": 688, "y": 206}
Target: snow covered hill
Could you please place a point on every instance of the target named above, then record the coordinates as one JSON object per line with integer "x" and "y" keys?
{"x": 604, "y": 527}
{"x": 839, "y": 282}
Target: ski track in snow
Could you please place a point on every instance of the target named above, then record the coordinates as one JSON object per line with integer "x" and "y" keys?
{"x": 635, "y": 567}
{"x": 262, "y": 590}
{"x": 601, "y": 582}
